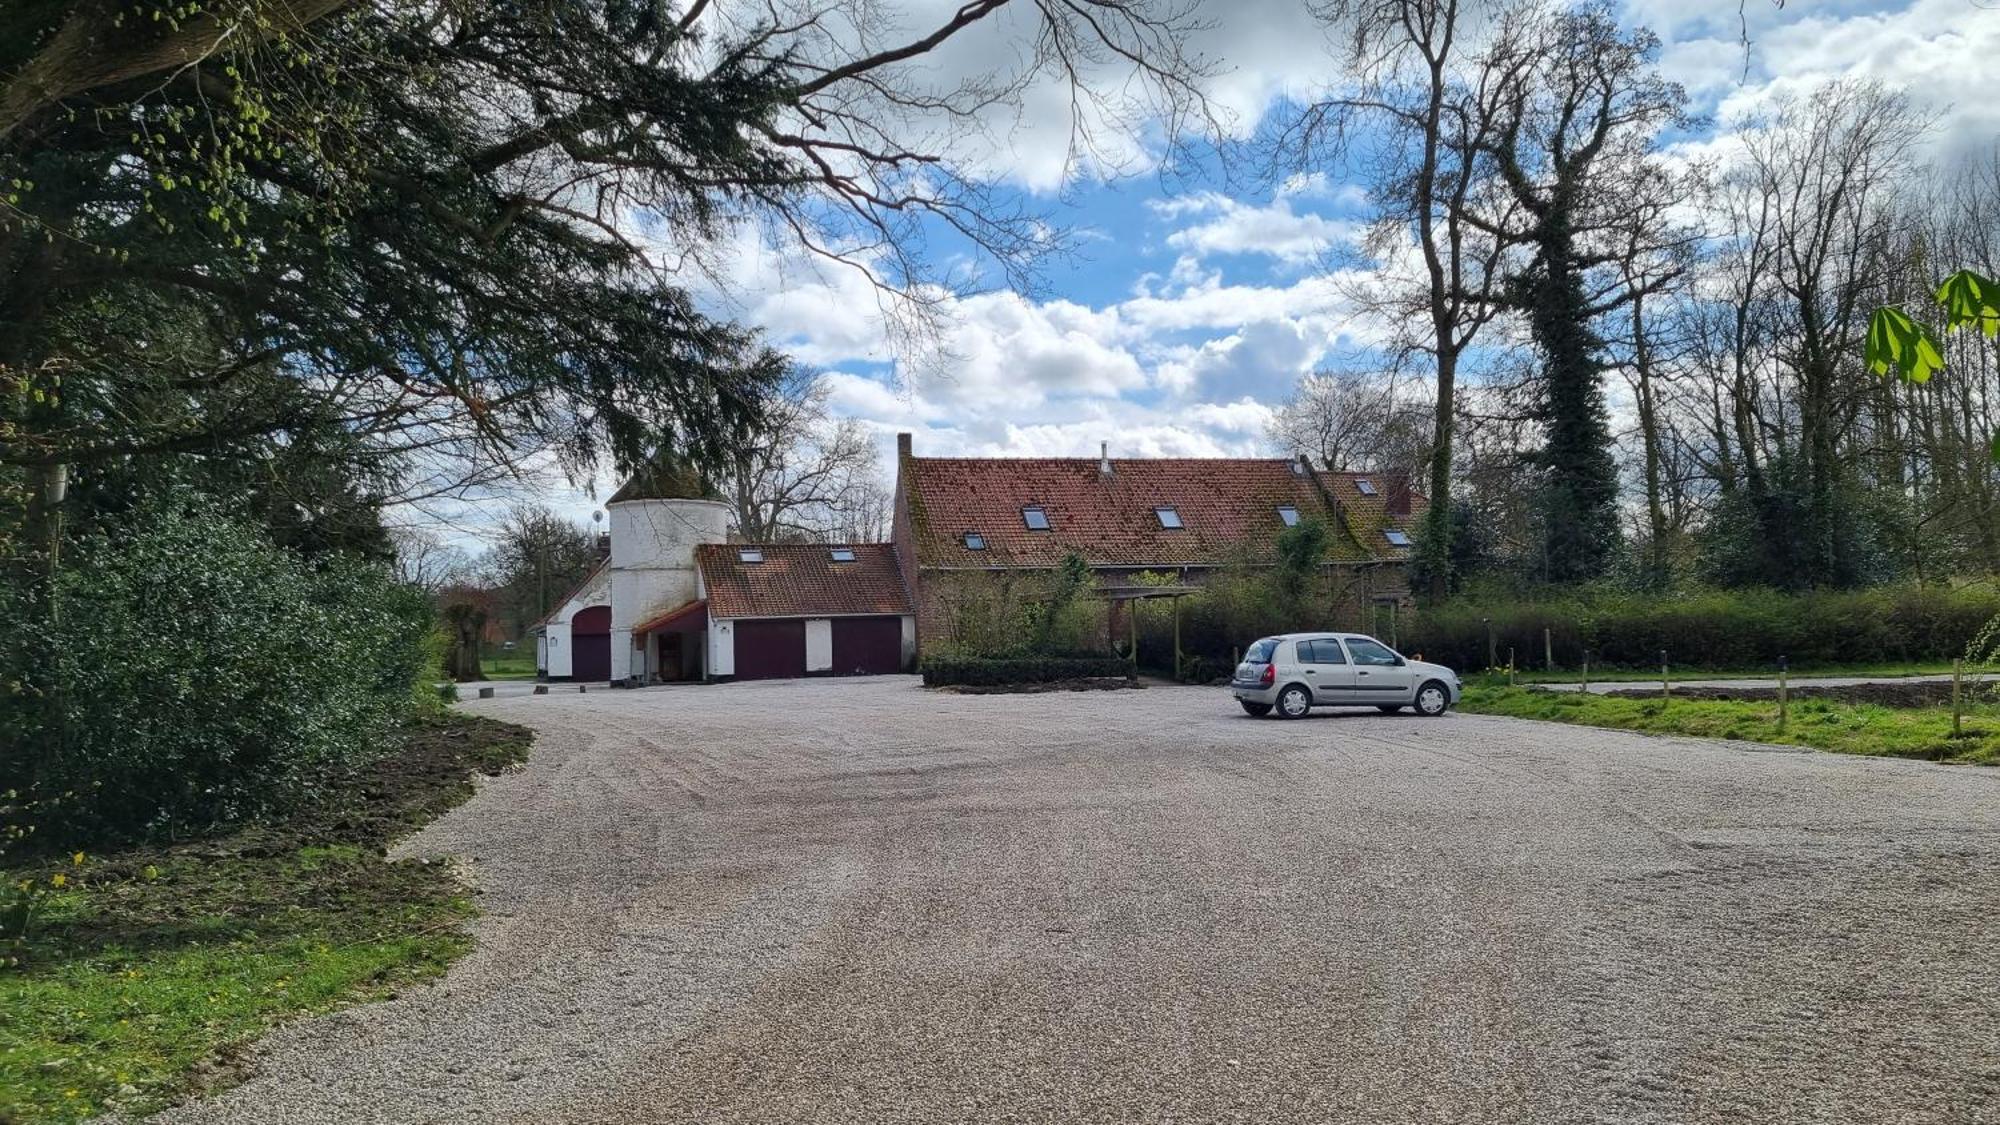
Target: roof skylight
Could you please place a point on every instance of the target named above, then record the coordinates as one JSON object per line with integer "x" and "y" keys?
{"x": 842, "y": 554}
{"x": 1364, "y": 486}
{"x": 1289, "y": 514}
{"x": 1170, "y": 518}
{"x": 751, "y": 555}
{"x": 1396, "y": 538}
{"x": 975, "y": 541}
{"x": 1035, "y": 517}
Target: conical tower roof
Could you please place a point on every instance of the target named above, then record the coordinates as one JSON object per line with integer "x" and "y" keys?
{"x": 667, "y": 478}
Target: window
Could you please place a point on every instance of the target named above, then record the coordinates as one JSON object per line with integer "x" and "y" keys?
{"x": 975, "y": 541}
{"x": 1170, "y": 518}
{"x": 1373, "y": 653}
{"x": 1289, "y": 514}
{"x": 1364, "y": 486}
{"x": 1035, "y": 518}
{"x": 751, "y": 554}
{"x": 1325, "y": 651}
{"x": 1396, "y": 538}
{"x": 1262, "y": 651}
{"x": 843, "y": 554}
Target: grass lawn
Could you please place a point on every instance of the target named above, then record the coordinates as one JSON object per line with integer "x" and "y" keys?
{"x": 1845, "y": 728}
{"x": 512, "y": 666}
{"x": 143, "y": 977}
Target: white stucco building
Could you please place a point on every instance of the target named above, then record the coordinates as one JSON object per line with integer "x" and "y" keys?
{"x": 675, "y": 601}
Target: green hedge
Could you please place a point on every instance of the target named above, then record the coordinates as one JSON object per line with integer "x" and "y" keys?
{"x": 1710, "y": 629}
{"x": 984, "y": 672}
{"x": 197, "y": 674}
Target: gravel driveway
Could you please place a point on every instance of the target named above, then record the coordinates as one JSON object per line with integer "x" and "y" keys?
{"x": 857, "y": 901}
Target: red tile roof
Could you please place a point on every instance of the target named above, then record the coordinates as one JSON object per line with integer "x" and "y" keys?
{"x": 1228, "y": 510}
{"x": 1369, "y": 516}
{"x": 801, "y": 580}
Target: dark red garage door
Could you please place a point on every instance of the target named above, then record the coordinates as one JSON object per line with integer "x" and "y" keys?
{"x": 770, "y": 650}
{"x": 867, "y": 645}
{"x": 590, "y": 644}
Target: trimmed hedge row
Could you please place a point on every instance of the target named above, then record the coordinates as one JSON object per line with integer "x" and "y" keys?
{"x": 1710, "y": 629}
{"x": 974, "y": 671}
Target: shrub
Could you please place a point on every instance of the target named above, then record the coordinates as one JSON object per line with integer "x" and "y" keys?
{"x": 1712, "y": 629}
{"x": 193, "y": 673}
{"x": 972, "y": 671}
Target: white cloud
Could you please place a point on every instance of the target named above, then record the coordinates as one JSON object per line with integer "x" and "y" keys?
{"x": 1273, "y": 229}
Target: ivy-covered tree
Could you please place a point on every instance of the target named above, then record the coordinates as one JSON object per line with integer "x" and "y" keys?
{"x": 1579, "y": 106}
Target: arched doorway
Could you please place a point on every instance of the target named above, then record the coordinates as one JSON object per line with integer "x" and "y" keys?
{"x": 590, "y": 644}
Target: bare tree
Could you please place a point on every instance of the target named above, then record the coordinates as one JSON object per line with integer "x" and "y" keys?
{"x": 1351, "y": 419}
{"x": 804, "y": 474}
{"x": 1409, "y": 113}
{"x": 538, "y": 556}
{"x": 424, "y": 560}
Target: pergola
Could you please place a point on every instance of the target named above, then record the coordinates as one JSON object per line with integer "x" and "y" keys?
{"x": 1131, "y": 596}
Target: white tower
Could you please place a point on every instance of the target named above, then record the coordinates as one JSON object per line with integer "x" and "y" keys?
{"x": 657, "y": 520}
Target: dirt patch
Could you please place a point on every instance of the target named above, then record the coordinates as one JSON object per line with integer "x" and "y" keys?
{"x": 1923, "y": 693}
{"x": 1103, "y": 683}
{"x": 151, "y": 895}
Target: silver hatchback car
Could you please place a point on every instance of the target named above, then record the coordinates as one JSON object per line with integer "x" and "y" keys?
{"x": 1296, "y": 672}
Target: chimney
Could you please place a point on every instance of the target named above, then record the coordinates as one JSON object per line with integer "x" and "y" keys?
{"x": 1302, "y": 467}
{"x": 603, "y": 545}
{"x": 1104, "y": 458}
{"x": 902, "y": 446}
{"x": 1396, "y": 496}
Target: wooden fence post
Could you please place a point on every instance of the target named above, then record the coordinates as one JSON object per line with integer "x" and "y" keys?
{"x": 1492, "y": 658}
{"x": 1548, "y": 650}
{"x": 1586, "y": 670}
{"x": 1784, "y": 704}
{"x": 1177, "y": 636}
{"x": 1510, "y": 666}
{"x": 1957, "y": 711}
{"x": 1666, "y": 680}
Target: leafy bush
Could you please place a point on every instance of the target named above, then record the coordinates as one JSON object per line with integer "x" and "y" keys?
{"x": 192, "y": 673}
{"x": 1712, "y": 629}
{"x": 973, "y": 671}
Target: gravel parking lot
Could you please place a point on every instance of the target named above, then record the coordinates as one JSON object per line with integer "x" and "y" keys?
{"x": 858, "y": 901}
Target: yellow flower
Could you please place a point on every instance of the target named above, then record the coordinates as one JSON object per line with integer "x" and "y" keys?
{"x": 59, "y": 880}
{"x": 76, "y": 860}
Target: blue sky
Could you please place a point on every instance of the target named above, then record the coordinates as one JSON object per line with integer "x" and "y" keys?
{"x": 1194, "y": 305}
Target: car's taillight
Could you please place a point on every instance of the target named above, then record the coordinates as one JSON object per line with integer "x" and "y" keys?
{"x": 1270, "y": 675}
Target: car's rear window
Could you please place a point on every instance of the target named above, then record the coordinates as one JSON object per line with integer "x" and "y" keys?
{"x": 1260, "y": 653}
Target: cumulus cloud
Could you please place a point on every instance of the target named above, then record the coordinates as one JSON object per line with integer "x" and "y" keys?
{"x": 1228, "y": 226}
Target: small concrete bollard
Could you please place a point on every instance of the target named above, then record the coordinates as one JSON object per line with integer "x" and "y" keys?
{"x": 581, "y": 688}
{"x": 541, "y": 689}
{"x": 486, "y": 693}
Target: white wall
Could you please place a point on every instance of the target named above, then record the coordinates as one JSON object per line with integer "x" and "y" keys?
{"x": 721, "y": 648}
{"x": 555, "y": 638}
{"x": 552, "y": 648}
{"x": 819, "y": 644}
{"x": 652, "y": 565}
{"x": 909, "y": 640}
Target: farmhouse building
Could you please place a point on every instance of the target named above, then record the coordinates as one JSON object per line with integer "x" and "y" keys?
{"x": 675, "y": 600}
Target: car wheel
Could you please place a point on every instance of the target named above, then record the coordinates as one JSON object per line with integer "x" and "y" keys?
{"x": 1388, "y": 708}
{"x": 1432, "y": 699}
{"x": 1294, "y": 702}
{"x": 1255, "y": 710}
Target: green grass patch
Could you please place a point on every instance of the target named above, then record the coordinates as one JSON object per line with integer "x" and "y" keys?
{"x": 511, "y": 666}
{"x": 148, "y": 971}
{"x": 1844, "y": 728}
